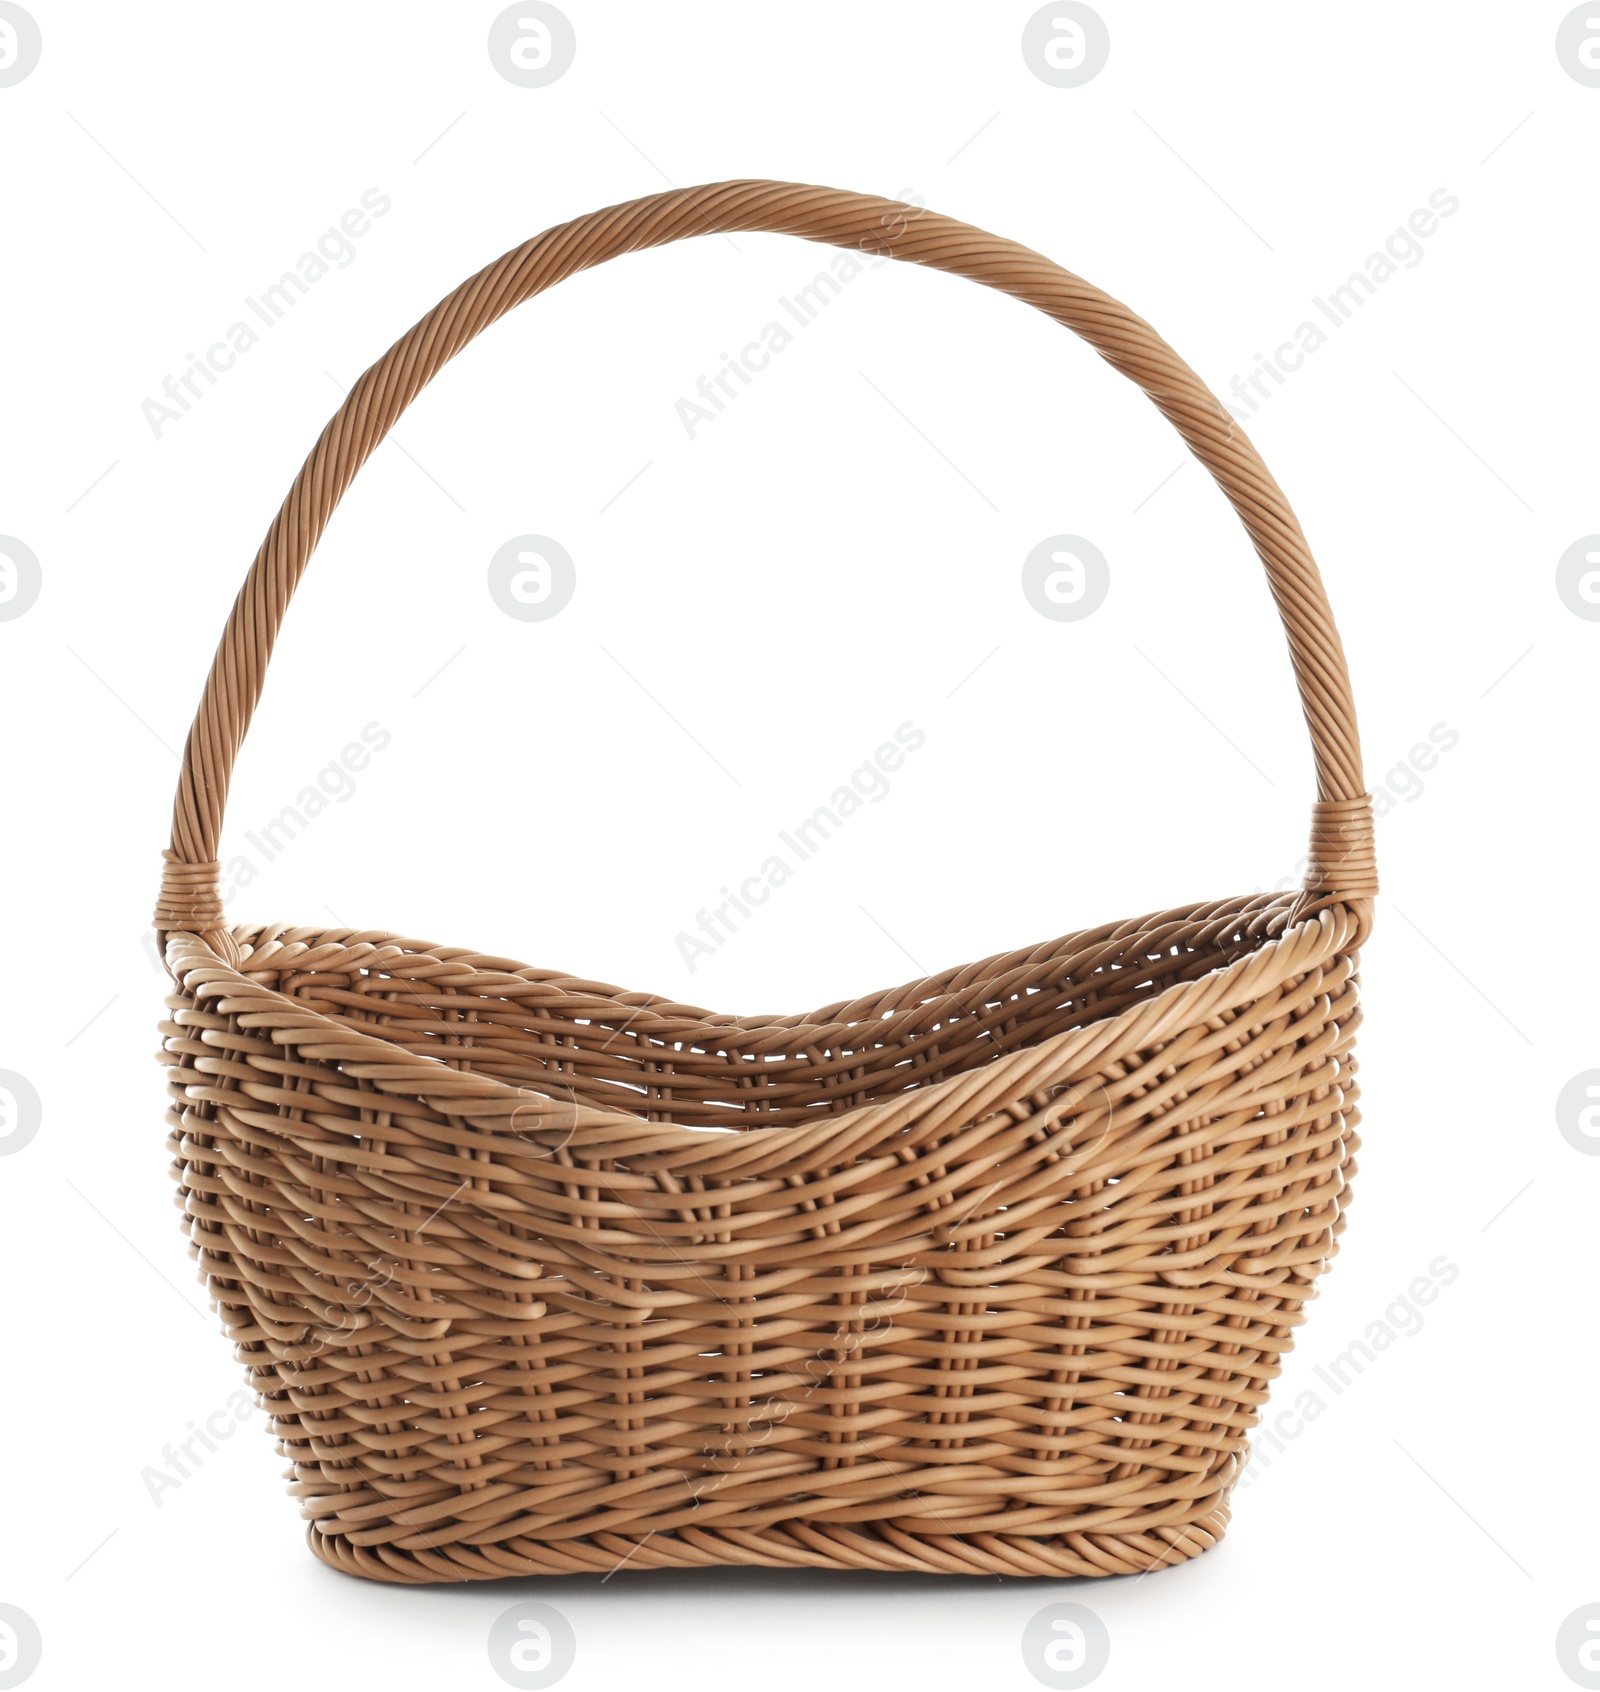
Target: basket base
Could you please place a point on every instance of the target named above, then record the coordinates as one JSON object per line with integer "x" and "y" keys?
{"x": 884, "y": 1549}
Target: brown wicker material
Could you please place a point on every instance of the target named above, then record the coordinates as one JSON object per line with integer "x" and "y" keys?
{"x": 988, "y": 1273}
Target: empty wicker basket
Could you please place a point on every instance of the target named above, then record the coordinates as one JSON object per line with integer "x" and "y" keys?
{"x": 988, "y": 1273}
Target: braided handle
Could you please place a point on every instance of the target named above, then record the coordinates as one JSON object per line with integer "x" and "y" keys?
{"x": 1341, "y": 852}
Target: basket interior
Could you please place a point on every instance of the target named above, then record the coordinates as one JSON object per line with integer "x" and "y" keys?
{"x": 667, "y": 1062}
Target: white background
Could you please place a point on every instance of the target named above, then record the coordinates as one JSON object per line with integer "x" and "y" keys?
{"x": 808, "y": 572}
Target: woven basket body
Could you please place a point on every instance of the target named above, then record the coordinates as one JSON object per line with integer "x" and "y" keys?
{"x": 987, "y": 1273}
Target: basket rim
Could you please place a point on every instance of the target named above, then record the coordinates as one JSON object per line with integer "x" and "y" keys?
{"x": 491, "y": 1106}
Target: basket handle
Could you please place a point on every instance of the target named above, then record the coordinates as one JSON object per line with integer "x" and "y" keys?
{"x": 1341, "y": 858}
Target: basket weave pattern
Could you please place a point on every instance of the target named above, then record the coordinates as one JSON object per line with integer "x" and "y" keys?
{"x": 987, "y": 1273}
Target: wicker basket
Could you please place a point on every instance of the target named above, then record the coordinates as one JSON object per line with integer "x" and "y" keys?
{"x": 988, "y": 1273}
